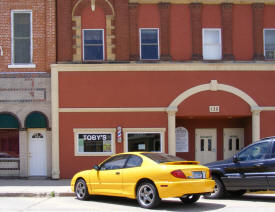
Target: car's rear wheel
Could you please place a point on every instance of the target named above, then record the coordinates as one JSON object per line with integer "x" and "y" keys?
{"x": 237, "y": 193}
{"x": 219, "y": 190}
{"x": 147, "y": 195}
{"x": 81, "y": 190}
{"x": 190, "y": 198}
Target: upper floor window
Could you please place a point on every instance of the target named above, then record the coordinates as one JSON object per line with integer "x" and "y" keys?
{"x": 212, "y": 49}
{"x": 21, "y": 37}
{"x": 149, "y": 44}
{"x": 93, "y": 44}
{"x": 269, "y": 44}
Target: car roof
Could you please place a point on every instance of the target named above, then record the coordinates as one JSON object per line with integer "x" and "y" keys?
{"x": 268, "y": 138}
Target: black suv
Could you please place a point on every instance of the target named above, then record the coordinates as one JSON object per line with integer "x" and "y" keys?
{"x": 253, "y": 168}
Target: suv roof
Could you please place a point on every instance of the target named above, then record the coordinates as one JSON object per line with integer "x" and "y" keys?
{"x": 267, "y": 138}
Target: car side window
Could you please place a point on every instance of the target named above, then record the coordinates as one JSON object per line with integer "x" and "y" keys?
{"x": 116, "y": 162}
{"x": 255, "y": 152}
{"x": 133, "y": 161}
{"x": 273, "y": 151}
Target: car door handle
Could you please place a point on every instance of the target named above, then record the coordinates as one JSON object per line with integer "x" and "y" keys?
{"x": 258, "y": 164}
{"x": 117, "y": 173}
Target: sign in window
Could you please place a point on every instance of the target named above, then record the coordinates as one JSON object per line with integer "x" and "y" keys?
{"x": 94, "y": 143}
{"x": 90, "y": 142}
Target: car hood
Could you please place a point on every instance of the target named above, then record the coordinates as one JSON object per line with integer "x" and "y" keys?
{"x": 219, "y": 163}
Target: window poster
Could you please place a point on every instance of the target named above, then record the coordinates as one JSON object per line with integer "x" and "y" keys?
{"x": 94, "y": 142}
{"x": 182, "y": 140}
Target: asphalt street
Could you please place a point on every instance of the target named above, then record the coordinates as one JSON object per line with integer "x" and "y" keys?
{"x": 248, "y": 202}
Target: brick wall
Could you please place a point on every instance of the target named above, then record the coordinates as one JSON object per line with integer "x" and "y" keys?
{"x": 43, "y": 31}
{"x": 241, "y": 28}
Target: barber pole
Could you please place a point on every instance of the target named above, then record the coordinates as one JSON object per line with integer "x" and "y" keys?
{"x": 119, "y": 134}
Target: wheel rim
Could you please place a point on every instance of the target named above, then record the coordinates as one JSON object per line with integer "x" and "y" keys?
{"x": 80, "y": 189}
{"x": 189, "y": 197}
{"x": 216, "y": 189}
{"x": 146, "y": 195}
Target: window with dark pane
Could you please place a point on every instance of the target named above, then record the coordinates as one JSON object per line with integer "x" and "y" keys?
{"x": 230, "y": 144}
{"x": 149, "y": 142}
{"x": 149, "y": 44}
{"x": 237, "y": 144}
{"x": 269, "y": 44}
{"x": 21, "y": 38}
{"x": 209, "y": 145}
{"x": 202, "y": 145}
{"x": 93, "y": 44}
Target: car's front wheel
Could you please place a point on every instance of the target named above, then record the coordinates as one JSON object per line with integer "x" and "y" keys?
{"x": 147, "y": 195}
{"x": 190, "y": 198}
{"x": 81, "y": 190}
{"x": 219, "y": 190}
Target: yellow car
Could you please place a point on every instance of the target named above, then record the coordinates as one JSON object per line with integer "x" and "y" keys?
{"x": 146, "y": 176}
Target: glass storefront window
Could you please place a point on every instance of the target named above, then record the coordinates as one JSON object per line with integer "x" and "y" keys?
{"x": 149, "y": 142}
{"x": 9, "y": 144}
{"x": 88, "y": 142}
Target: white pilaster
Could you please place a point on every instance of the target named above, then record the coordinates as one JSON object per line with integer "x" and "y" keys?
{"x": 172, "y": 130}
{"x": 256, "y": 125}
{"x": 55, "y": 125}
{"x": 23, "y": 148}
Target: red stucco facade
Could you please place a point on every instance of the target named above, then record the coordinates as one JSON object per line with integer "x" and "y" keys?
{"x": 125, "y": 83}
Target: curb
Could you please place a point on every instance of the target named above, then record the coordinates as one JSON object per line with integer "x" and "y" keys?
{"x": 51, "y": 194}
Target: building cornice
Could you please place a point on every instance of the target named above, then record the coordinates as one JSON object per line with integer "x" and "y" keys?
{"x": 193, "y": 66}
{"x": 202, "y": 1}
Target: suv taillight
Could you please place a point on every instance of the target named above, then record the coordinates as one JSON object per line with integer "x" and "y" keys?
{"x": 178, "y": 174}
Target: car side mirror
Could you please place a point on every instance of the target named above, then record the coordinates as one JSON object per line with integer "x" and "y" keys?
{"x": 96, "y": 167}
{"x": 235, "y": 159}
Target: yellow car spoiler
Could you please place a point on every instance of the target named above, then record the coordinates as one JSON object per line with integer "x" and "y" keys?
{"x": 182, "y": 163}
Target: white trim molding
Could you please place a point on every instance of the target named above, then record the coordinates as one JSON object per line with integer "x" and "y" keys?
{"x": 214, "y": 86}
{"x": 167, "y": 67}
{"x": 118, "y": 110}
{"x": 78, "y": 131}
{"x": 161, "y": 131}
{"x": 12, "y": 40}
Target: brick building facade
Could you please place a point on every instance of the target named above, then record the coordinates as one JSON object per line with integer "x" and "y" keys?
{"x": 190, "y": 78}
{"x": 27, "y": 49}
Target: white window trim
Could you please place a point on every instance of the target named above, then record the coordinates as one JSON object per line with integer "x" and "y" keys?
{"x": 78, "y": 131}
{"x": 267, "y": 29}
{"x": 140, "y": 55}
{"x": 203, "y": 44}
{"x": 83, "y": 44}
{"x": 161, "y": 131}
{"x": 17, "y": 65}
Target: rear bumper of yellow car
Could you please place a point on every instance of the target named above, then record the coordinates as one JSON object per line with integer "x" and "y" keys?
{"x": 188, "y": 186}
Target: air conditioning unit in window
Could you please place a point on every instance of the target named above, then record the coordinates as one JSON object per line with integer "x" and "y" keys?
{"x": 270, "y": 54}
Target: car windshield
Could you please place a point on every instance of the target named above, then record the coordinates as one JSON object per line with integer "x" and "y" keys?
{"x": 162, "y": 158}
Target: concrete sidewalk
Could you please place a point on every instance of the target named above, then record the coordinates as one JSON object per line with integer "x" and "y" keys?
{"x": 34, "y": 187}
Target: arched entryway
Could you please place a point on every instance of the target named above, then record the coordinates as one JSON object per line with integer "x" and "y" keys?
{"x": 37, "y": 124}
{"x": 174, "y": 110}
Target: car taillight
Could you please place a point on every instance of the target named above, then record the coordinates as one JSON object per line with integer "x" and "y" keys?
{"x": 210, "y": 175}
{"x": 178, "y": 174}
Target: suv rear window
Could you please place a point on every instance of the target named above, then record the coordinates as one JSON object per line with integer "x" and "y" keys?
{"x": 162, "y": 158}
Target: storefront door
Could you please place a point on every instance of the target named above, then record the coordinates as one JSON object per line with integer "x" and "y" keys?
{"x": 233, "y": 141}
{"x": 206, "y": 145}
{"x": 37, "y": 153}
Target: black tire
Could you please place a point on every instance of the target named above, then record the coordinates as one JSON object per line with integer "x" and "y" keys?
{"x": 190, "y": 198}
{"x": 147, "y": 195}
{"x": 219, "y": 190}
{"x": 81, "y": 190}
{"x": 237, "y": 193}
